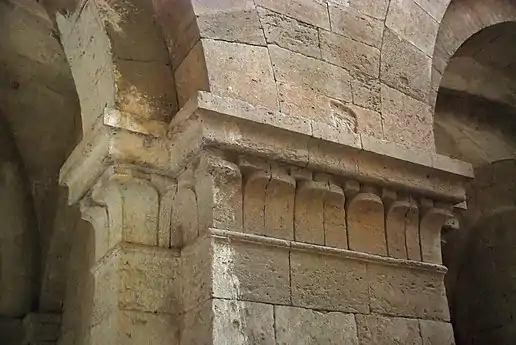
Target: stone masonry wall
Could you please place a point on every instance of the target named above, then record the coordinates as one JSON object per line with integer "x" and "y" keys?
{"x": 281, "y": 256}
{"x": 360, "y": 66}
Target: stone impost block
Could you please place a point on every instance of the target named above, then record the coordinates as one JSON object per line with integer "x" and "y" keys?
{"x": 306, "y": 327}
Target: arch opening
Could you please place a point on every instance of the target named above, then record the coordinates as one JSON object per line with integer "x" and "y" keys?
{"x": 475, "y": 121}
{"x": 39, "y": 126}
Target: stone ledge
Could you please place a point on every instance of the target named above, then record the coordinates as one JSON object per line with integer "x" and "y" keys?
{"x": 317, "y": 249}
{"x": 238, "y": 127}
{"x": 212, "y": 122}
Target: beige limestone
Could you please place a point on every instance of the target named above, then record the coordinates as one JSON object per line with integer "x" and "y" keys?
{"x": 366, "y": 91}
{"x": 335, "y": 227}
{"x": 236, "y": 25}
{"x": 366, "y": 224}
{"x": 349, "y": 54}
{"x": 404, "y": 67}
{"x": 192, "y": 243}
{"x": 411, "y": 22}
{"x": 250, "y": 272}
{"x": 408, "y": 293}
{"x": 313, "y": 12}
{"x": 406, "y": 120}
{"x": 309, "y": 212}
{"x": 328, "y": 283}
{"x": 240, "y": 71}
{"x": 374, "y": 8}
{"x": 436, "y": 332}
{"x": 290, "y": 33}
{"x": 304, "y": 326}
{"x": 218, "y": 187}
{"x": 279, "y": 204}
{"x": 348, "y": 21}
{"x": 380, "y": 330}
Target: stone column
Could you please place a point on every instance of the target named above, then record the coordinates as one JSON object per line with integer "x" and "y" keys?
{"x": 241, "y": 227}
{"x": 301, "y": 239}
{"x": 136, "y": 270}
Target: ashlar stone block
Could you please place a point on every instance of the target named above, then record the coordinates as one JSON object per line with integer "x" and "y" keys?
{"x": 411, "y": 22}
{"x": 348, "y": 21}
{"x": 380, "y": 330}
{"x": 366, "y": 224}
{"x": 290, "y": 33}
{"x": 349, "y": 54}
{"x": 309, "y": 211}
{"x": 401, "y": 291}
{"x": 404, "y": 67}
{"x": 218, "y": 187}
{"x": 328, "y": 283}
{"x": 436, "y": 333}
{"x": 305, "y": 327}
{"x": 314, "y": 12}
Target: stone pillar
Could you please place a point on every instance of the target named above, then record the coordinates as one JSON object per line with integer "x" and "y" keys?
{"x": 239, "y": 227}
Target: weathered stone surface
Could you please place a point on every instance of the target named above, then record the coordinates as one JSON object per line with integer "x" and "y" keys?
{"x": 132, "y": 327}
{"x": 410, "y": 21}
{"x": 191, "y": 75}
{"x": 436, "y": 8}
{"x": 436, "y": 332}
{"x": 242, "y": 323}
{"x": 374, "y": 8}
{"x": 240, "y": 71}
{"x": 290, "y": 33}
{"x": 366, "y": 224}
{"x": 308, "y": 78}
{"x": 218, "y": 187}
{"x": 352, "y": 55}
{"x": 313, "y": 12}
{"x": 404, "y": 67}
{"x": 196, "y": 284}
{"x": 380, "y": 330}
{"x": 328, "y": 283}
{"x": 242, "y": 26}
{"x": 335, "y": 228}
{"x": 366, "y": 91}
{"x": 306, "y": 327}
{"x": 279, "y": 205}
{"x": 369, "y": 122}
{"x": 251, "y": 272}
{"x": 139, "y": 279}
{"x": 309, "y": 212}
{"x": 347, "y": 21}
{"x": 432, "y": 223}
{"x": 406, "y": 121}
{"x": 406, "y": 292}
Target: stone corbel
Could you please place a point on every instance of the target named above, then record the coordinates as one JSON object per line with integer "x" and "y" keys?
{"x": 433, "y": 219}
